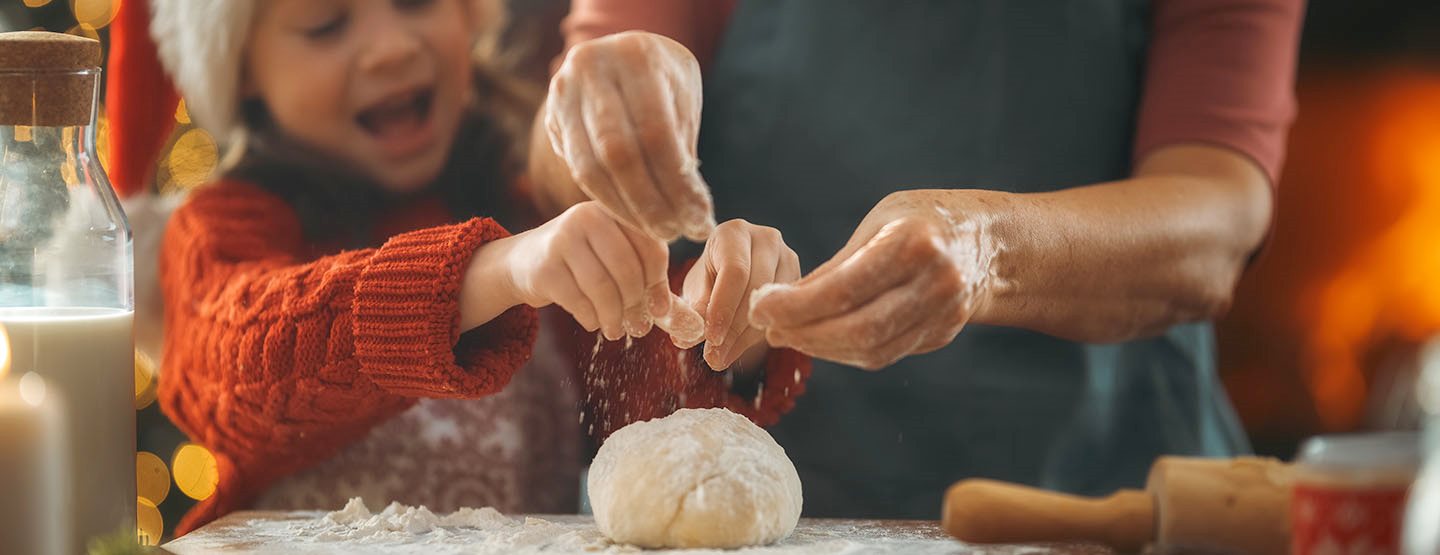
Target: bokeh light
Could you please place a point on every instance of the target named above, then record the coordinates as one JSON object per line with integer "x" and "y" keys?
{"x": 102, "y": 139}
{"x": 36, "y": 3}
{"x": 146, "y": 386}
{"x": 152, "y": 479}
{"x": 84, "y": 30}
{"x": 191, "y": 160}
{"x": 4, "y": 352}
{"x": 149, "y": 525}
{"x": 195, "y": 471}
{"x": 182, "y": 114}
{"x": 68, "y": 171}
{"x": 94, "y": 13}
{"x": 32, "y": 389}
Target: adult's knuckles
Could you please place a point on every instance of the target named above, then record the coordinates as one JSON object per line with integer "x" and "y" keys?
{"x": 947, "y": 283}
{"x": 588, "y": 173}
{"x": 586, "y": 55}
{"x": 659, "y": 138}
{"x": 635, "y": 46}
{"x": 560, "y": 85}
{"x": 616, "y": 153}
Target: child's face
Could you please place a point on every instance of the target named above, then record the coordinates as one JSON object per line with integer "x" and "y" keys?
{"x": 379, "y": 83}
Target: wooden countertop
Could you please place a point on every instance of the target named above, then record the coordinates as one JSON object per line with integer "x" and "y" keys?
{"x": 282, "y": 532}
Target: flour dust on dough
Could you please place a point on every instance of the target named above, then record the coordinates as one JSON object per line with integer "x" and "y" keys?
{"x": 696, "y": 478}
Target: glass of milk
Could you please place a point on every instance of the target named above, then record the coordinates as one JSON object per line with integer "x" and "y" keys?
{"x": 66, "y": 286}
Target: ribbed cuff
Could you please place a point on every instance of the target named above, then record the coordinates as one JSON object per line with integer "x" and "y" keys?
{"x": 406, "y": 308}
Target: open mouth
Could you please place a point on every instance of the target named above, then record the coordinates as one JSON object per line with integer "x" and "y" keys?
{"x": 398, "y": 116}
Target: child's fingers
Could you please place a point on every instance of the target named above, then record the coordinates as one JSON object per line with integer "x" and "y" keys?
{"x": 698, "y": 284}
{"x": 599, "y": 287}
{"x": 735, "y": 349}
{"x": 685, "y": 326}
{"x": 789, "y": 269}
{"x": 655, "y": 260}
{"x": 729, "y": 260}
{"x": 568, "y": 295}
{"x": 763, "y": 264}
{"x": 613, "y": 249}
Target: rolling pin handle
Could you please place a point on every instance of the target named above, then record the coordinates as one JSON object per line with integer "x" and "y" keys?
{"x": 987, "y": 511}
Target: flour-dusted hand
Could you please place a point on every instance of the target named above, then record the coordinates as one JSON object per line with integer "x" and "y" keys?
{"x": 739, "y": 258}
{"x": 603, "y": 273}
{"x": 623, "y": 113}
{"x": 911, "y": 276}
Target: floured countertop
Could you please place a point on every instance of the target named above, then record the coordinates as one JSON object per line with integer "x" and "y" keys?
{"x": 315, "y": 532}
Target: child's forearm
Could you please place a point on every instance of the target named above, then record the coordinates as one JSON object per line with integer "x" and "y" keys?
{"x": 488, "y": 288}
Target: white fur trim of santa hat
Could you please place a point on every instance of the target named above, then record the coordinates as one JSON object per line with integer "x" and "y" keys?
{"x": 201, "y": 43}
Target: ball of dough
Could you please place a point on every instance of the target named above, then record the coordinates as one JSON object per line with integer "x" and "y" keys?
{"x": 696, "y": 478}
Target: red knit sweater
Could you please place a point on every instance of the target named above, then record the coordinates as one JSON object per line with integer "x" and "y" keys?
{"x": 278, "y": 354}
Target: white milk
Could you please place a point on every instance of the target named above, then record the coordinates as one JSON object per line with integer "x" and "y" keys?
{"x": 87, "y": 355}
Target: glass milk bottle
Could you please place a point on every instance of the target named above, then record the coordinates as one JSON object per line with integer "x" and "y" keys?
{"x": 1422, "y": 513}
{"x": 66, "y": 286}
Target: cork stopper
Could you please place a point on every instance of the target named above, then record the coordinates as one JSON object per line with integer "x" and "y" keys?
{"x": 47, "y": 79}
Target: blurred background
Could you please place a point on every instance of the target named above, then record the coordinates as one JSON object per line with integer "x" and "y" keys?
{"x": 1327, "y": 327}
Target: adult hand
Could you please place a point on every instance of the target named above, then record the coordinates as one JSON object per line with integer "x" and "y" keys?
{"x": 739, "y": 258}
{"x": 623, "y": 113}
{"x": 609, "y": 276}
{"x": 911, "y": 276}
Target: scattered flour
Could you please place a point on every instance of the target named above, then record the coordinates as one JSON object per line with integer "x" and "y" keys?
{"x": 405, "y": 530}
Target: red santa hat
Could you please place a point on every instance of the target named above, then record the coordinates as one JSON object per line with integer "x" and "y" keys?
{"x": 159, "y": 50}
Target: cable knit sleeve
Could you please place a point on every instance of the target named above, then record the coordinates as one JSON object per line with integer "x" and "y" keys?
{"x": 274, "y": 360}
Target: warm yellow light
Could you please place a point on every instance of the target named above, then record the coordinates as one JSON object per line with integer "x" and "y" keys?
{"x": 146, "y": 385}
{"x": 195, "y": 472}
{"x": 32, "y": 389}
{"x": 152, "y": 479}
{"x": 36, "y": 3}
{"x": 182, "y": 115}
{"x": 4, "y": 352}
{"x": 84, "y": 30}
{"x": 149, "y": 525}
{"x": 95, "y": 13}
{"x": 102, "y": 140}
{"x": 192, "y": 159}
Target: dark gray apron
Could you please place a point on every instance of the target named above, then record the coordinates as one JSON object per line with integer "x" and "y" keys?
{"x": 816, "y": 109}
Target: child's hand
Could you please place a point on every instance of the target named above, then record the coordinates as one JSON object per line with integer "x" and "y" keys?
{"x": 739, "y": 258}
{"x": 605, "y": 274}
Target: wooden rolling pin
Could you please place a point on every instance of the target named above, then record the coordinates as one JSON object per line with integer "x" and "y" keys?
{"x": 1226, "y": 505}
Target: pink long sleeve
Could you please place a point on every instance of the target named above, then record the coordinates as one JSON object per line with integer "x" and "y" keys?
{"x": 697, "y": 24}
{"x": 1218, "y": 71}
{"x": 1222, "y": 72}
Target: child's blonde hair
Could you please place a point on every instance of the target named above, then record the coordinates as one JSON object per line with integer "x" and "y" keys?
{"x": 509, "y": 100}
{"x": 337, "y": 204}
